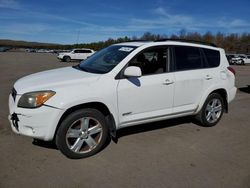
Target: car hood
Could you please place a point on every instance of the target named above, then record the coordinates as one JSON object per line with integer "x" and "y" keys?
{"x": 55, "y": 78}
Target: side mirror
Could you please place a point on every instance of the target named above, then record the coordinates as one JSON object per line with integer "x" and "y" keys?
{"x": 132, "y": 71}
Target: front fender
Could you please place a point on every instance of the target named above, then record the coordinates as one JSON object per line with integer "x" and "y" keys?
{"x": 68, "y": 99}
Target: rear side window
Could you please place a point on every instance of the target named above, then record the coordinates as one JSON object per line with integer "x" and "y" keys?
{"x": 86, "y": 51}
{"x": 187, "y": 58}
{"x": 82, "y": 51}
{"x": 212, "y": 57}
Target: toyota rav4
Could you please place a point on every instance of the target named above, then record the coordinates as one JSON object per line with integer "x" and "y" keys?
{"x": 122, "y": 85}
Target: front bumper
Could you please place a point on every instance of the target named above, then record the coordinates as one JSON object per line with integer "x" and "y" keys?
{"x": 37, "y": 123}
{"x": 59, "y": 57}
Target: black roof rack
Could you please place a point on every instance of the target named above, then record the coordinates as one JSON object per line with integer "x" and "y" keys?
{"x": 187, "y": 40}
{"x": 139, "y": 40}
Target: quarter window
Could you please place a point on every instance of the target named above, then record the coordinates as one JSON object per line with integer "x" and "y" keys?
{"x": 212, "y": 57}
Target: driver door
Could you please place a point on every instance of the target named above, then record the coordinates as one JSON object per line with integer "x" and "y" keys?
{"x": 151, "y": 95}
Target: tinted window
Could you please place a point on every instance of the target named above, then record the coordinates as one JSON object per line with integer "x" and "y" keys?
{"x": 82, "y": 51}
{"x": 85, "y": 51}
{"x": 151, "y": 61}
{"x": 212, "y": 57}
{"x": 187, "y": 58}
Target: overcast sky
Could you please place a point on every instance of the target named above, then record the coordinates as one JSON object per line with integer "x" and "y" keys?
{"x": 67, "y": 22}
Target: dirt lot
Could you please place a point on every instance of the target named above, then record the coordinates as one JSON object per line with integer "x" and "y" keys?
{"x": 174, "y": 153}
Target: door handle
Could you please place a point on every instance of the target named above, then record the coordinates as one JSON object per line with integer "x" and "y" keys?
{"x": 168, "y": 82}
{"x": 208, "y": 77}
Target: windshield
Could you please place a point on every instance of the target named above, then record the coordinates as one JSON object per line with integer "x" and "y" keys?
{"x": 106, "y": 59}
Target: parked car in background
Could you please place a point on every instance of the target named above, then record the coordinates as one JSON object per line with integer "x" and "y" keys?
{"x": 238, "y": 59}
{"x": 76, "y": 54}
{"x": 4, "y": 49}
{"x": 229, "y": 58}
{"x": 244, "y": 59}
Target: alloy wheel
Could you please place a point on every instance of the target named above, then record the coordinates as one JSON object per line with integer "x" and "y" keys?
{"x": 213, "y": 110}
{"x": 84, "y": 135}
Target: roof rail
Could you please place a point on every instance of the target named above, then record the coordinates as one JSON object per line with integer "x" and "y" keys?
{"x": 139, "y": 40}
{"x": 187, "y": 40}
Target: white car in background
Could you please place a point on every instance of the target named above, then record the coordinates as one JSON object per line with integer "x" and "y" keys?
{"x": 240, "y": 59}
{"x": 76, "y": 54}
{"x": 244, "y": 59}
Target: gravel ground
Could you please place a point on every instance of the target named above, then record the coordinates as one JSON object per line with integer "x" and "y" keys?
{"x": 173, "y": 153}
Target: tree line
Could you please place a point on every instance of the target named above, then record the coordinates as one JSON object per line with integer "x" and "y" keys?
{"x": 232, "y": 43}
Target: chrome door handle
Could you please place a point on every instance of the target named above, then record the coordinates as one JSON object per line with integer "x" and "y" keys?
{"x": 168, "y": 82}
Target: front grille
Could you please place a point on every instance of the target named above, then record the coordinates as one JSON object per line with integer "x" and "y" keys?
{"x": 13, "y": 93}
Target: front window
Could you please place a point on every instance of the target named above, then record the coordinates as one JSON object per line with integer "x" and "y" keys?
{"x": 151, "y": 61}
{"x": 106, "y": 59}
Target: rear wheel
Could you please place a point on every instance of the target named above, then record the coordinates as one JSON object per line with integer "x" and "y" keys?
{"x": 82, "y": 134}
{"x": 66, "y": 59}
{"x": 211, "y": 111}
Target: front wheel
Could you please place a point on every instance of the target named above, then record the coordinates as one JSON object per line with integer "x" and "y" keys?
{"x": 82, "y": 134}
{"x": 211, "y": 111}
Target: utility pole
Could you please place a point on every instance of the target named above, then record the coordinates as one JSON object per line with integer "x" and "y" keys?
{"x": 77, "y": 39}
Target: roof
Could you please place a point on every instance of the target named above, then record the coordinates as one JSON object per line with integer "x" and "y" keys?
{"x": 170, "y": 42}
{"x": 137, "y": 44}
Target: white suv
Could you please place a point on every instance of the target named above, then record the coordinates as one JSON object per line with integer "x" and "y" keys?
{"x": 239, "y": 59}
{"x": 76, "y": 54}
{"x": 244, "y": 59}
{"x": 122, "y": 85}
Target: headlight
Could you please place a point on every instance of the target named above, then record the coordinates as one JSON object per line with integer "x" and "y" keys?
{"x": 35, "y": 99}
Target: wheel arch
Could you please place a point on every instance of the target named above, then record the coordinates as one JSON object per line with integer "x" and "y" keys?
{"x": 222, "y": 92}
{"x": 94, "y": 105}
{"x": 65, "y": 56}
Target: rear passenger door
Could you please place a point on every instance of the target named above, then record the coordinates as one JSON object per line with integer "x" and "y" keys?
{"x": 192, "y": 78}
{"x": 85, "y": 54}
{"x": 76, "y": 54}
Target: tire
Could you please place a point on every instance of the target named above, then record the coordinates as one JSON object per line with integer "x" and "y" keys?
{"x": 211, "y": 111}
{"x": 81, "y": 134}
{"x": 66, "y": 59}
